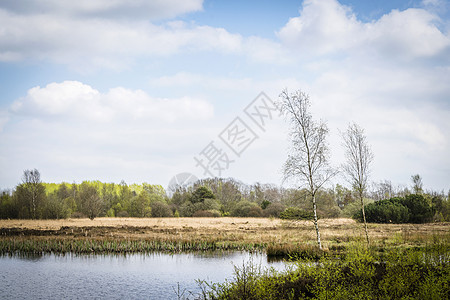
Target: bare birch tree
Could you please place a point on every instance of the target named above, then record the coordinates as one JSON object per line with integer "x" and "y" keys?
{"x": 30, "y": 193}
{"x": 307, "y": 163}
{"x": 359, "y": 157}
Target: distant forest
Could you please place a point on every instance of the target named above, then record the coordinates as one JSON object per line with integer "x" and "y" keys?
{"x": 215, "y": 197}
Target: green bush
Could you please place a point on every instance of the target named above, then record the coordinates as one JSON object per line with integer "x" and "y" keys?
{"x": 386, "y": 211}
{"x": 354, "y": 208}
{"x": 187, "y": 209}
{"x": 295, "y": 213}
{"x": 202, "y": 193}
{"x": 160, "y": 209}
{"x": 411, "y": 208}
{"x": 274, "y": 210}
{"x": 419, "y": 208}
{"x": 399, "y": 274}
{"x": 246, "y": 208}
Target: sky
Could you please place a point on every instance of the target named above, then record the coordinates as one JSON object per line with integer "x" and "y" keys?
{"x": 141, "y": 91}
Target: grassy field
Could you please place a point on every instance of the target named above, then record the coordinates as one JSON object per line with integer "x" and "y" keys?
{"x": 209, "y": 234}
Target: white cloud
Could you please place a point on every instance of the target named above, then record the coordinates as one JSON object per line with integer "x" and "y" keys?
{"x": 4, "y": 118}
{"x": 322, "y": 27}
{"x": 90, "y": 43}
{"x": 390, "y": 75}
{"x": 149, "y": 10}
{"x": 327, "y": 27}
{"x": 72, "y": 99}
{"x": 87, "y": 36}
{"x": 407, "y": 34}
{"x": 121, "y": 134}
{"x": 187, "y": 79}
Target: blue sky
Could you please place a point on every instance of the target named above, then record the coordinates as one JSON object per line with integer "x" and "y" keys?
{"x": 110, "y": 91}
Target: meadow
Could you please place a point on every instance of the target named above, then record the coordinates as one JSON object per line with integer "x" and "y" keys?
{"x": 275, "y": 236}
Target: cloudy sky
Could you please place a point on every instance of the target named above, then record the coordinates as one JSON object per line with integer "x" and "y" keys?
{"x": 143, "y": 90}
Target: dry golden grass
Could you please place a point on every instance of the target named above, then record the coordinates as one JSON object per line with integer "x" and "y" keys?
{"x": 236, "y": 230}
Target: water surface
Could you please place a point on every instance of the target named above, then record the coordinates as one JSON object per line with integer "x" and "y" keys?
{"x": 136, "y": 276}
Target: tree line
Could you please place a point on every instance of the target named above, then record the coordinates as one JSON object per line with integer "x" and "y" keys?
{"x": 213, "y": 197}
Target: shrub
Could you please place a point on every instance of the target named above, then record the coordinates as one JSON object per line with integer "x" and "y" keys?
{"x": 354, "y": 208}
{"x": 78, "y": 215}
{"x": 441, "y": 206}
{"x": 246, "y": 208}
{"x": 265, "y": 204}
{"x": 357, "y": 275}
{"x": 255, "y": 212}
{"x": 295, "y": 213}
{"x": 202, "y": 193}
{"x": 110, "y": 213}
{"x": 412, "y": 208}
{"x": 160, "y": 209}
{"x": 386, "y": 211}
{"x": 207, "y": 204}
{"x": 187, "y": 209}
{"x": 206, "y": 214}
{"x": 419, "y": 208}
{"x": 274, "y": 210}
{"x": 122, "y": 214}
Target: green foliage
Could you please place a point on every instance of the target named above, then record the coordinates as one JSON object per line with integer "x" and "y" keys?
{"x": 274, "y": 210}
{"x": 441, "y": 206}
{"x": 230, "y": 197}
{"x": 353, "y": 208}
{"x": 420, "y": 209}
{"x": 295, "y": 213}
{"x": 53, "y": 208}
{"x": 30, "y": 195}
{"x": 90, "y": 202}
{"x": 187, "y": 209}
{"x": 386, "y": 211}
{"x": 110, "y": 213}
{"x": 246, "y": 208}
{"x": 202, "y": 193}
{"x": 399, "y": 274}
{"x": 160, "y": 209}
{"x": 140, "y": 205}
{"x": 265, "y": 204}
{"x": 8, "y": 207}
{"x": 411, "y": 208}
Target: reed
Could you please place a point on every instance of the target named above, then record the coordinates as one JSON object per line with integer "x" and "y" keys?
{"x": 279, "y": 238}
{"x": 94, "y": 246}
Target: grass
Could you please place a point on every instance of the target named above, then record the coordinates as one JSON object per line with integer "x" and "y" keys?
{"x": 92, "y": 246}
{"x": 277, "y": 237}
{"x": 398, "y": 273}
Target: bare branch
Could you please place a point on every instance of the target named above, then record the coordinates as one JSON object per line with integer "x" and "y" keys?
{"x": 307, "y": 162}
{"x": 359, "y": 157}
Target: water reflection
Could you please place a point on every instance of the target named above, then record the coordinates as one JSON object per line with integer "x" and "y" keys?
{"x": 34, "y": 257}
{"x": 135, "y": 276}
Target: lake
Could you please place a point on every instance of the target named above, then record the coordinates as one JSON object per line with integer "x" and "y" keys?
{"x": 134, "y": 276}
